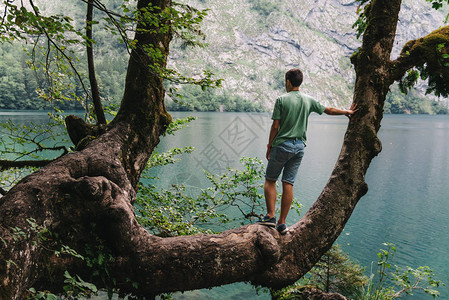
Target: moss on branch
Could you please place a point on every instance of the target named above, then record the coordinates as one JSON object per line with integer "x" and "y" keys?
{"x": 426, "y": 58}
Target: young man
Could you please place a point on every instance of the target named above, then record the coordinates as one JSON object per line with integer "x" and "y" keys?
{"x": 286, "y": 144}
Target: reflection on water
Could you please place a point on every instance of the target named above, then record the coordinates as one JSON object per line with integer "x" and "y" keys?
{"x": 408, "y": 192}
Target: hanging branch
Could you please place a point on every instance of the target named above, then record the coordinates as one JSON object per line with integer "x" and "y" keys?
{"x": 36, "y": 138}
{"x": 4, "y": 14}
{"x": 113, "y": 19}
{"x": 19, "y": 164}
{"x": 98, "y": 107}
{"x": 52, "y": 42}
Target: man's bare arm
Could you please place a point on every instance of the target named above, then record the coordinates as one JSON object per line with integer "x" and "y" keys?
{"x": 273, "y": 132}
{"x": 335, "y": 111}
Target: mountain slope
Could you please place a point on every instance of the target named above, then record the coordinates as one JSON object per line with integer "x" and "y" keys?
{"x": 253, "y": 42}
{"x": 251, "y": 45}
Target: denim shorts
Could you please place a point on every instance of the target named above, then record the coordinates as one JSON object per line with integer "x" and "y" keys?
{"x": 286, "y": 156}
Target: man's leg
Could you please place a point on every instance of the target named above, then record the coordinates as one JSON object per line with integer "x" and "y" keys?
{"x": 288, "y": 178}
{"x": 286, "y": 201}
{"x": 270, "y": 197}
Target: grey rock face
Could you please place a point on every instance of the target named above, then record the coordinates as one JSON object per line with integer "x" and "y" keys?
{"x": 253, "y": 42}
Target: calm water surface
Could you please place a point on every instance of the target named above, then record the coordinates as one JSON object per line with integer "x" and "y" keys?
{"x": 407, "y": 202}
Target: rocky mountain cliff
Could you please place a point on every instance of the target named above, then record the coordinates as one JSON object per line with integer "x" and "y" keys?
{"x": 253, "y": 42}
{"x": 251, "y": 45}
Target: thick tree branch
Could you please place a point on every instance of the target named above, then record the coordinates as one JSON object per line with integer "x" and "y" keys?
{"x": 428, "y": 51}
{"x": 372, "y": 64}
{"x": 148, "y": 118}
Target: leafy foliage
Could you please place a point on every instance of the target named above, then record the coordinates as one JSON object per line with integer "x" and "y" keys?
{"x": 361, "y": 24}
{"x": 31, "y": 140}
{"x": 55, "y": 40}
{"x": 437, "y": 4}
{"x": 183, "y": 210}
{"x": 406, "y": 282}
{"x": 98, "y": 256}
{"x": 177, "y": 124}
{"x": 162, "y": 159}
{"x": 432, "y": 54}
{"x": 334, "y": 272}
{"x": 76, "y": 287}
{"x": 37, "y": 295}
{"x": 23, "y": 145}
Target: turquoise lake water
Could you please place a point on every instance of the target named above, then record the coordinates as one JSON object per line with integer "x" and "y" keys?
{"x": 407, "y": 201}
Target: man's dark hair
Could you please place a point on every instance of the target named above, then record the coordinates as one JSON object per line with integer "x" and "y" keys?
{"x": 295, "y": 77}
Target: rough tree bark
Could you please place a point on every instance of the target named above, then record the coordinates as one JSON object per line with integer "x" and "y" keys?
{"x": 88, "y": 194}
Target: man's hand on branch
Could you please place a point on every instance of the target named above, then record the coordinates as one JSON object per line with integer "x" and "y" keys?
{"x": 351, "y": 110}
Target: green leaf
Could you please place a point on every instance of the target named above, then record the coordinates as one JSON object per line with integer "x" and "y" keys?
{"x": 51, "y": 297}
{"x": 92, "y": 287}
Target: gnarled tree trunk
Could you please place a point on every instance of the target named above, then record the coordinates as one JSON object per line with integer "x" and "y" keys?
{"x": 87, "y": 195}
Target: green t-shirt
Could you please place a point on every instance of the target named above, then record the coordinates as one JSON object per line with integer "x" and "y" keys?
{"x": 293, "y": 110}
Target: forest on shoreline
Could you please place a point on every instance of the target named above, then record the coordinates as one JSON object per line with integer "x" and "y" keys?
{"x": 21, "y": 88}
